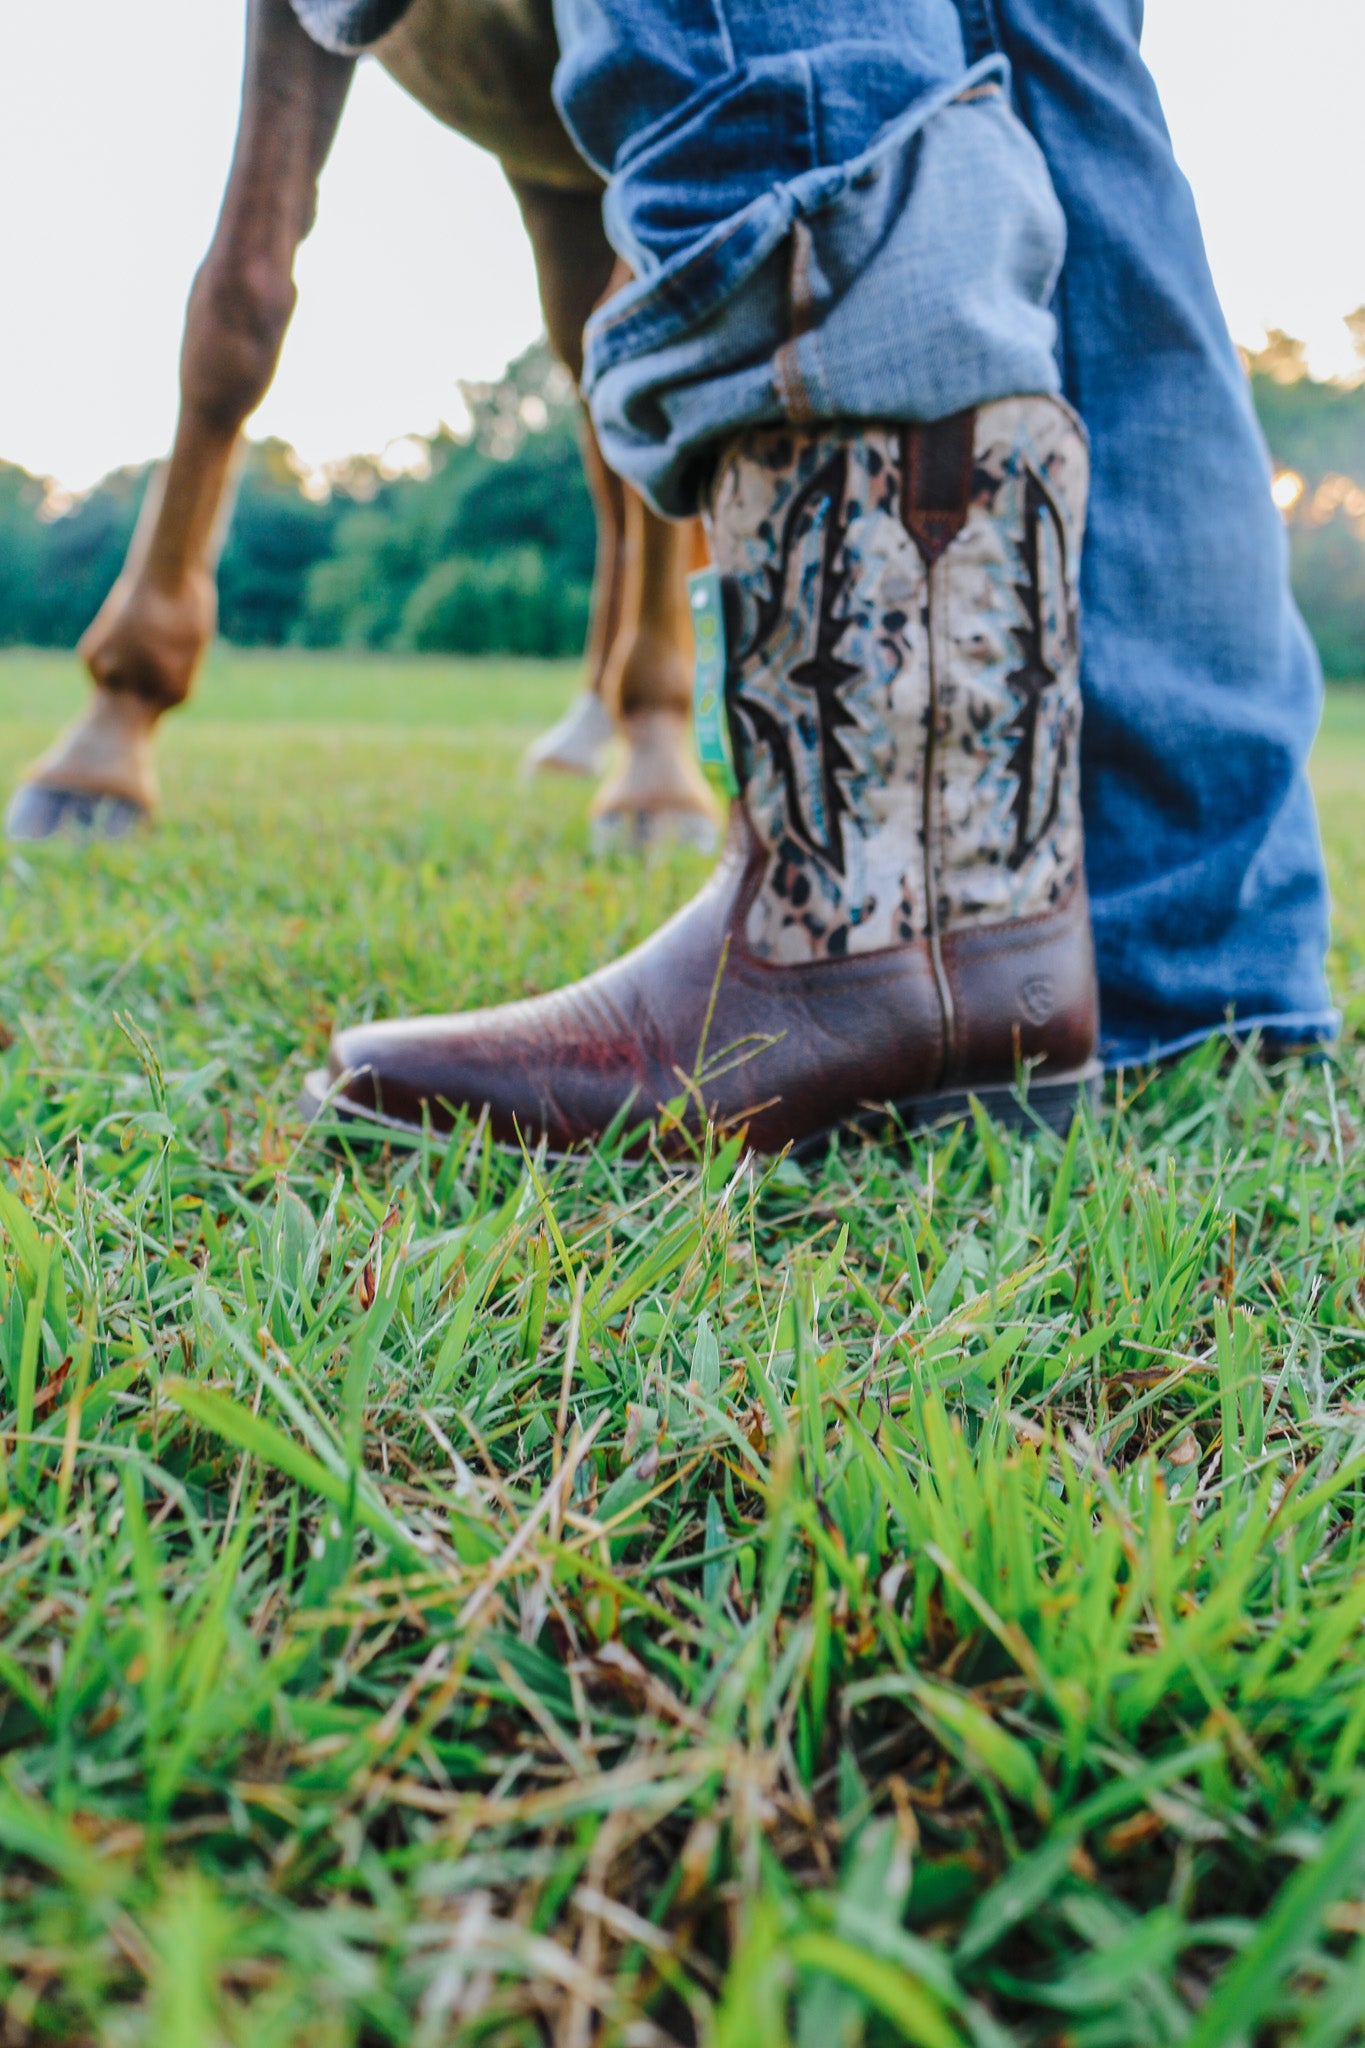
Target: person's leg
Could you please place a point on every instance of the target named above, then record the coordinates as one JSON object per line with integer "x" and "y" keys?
{"x": 1201, "y": 686}
{"x": 829, "y": 213}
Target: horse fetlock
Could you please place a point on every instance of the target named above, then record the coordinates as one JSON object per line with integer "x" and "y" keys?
{"x": 650, "y": 673}
{"x": 147, "y": 644}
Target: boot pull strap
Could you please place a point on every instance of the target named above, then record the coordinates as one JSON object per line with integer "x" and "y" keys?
{"x": 936, "y": 468}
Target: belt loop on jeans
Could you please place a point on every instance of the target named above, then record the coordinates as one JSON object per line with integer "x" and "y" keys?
{"x": 980, "y": 29}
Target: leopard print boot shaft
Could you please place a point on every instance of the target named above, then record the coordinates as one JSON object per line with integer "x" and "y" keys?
{"x": 899, "y": 919}
{"x": 904, "y": 677}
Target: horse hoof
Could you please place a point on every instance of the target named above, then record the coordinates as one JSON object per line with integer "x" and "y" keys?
{"x": 635, "y": 831}
{"x": 577, "y": 745}
{"x": 36, "y": 812}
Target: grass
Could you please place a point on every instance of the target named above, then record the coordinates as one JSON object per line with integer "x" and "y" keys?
{"x": 454, "y": 1599}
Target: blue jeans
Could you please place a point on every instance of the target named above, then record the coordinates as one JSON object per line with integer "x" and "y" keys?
{"x": 898, "y": 209}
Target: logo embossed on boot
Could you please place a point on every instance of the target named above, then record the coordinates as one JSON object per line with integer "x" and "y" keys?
{"x": 1038, "y": 998}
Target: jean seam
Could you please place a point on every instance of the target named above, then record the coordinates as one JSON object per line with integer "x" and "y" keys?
{"x": 980, "y": 29}
{"x": 686, "y": 109}
{"x": 723, "y": 31}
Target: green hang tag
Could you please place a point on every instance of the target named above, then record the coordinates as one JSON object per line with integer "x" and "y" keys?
{"x": 714, "y": 749}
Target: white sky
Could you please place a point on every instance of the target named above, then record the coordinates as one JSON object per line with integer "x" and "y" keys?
{"x": 116, "y": 122}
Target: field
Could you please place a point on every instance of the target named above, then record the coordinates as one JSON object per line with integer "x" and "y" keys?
{"x": 451, "y": 1598}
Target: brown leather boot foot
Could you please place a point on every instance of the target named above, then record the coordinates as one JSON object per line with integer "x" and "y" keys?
{"x": 899, "y": 916}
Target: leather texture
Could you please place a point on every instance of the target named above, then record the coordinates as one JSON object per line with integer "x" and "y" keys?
{"x": 899, "y": 913}
{"x": 692, "y": 1019}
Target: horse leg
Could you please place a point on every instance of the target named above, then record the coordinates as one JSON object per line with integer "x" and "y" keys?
{"x": 656, "y": 792}
{"x": 577, "y": 743}
{"x": 573, "y": 268}
{"x": 146, "y": 644}
{"x": 609, "y": 576}
{"x": 639, "y": 655}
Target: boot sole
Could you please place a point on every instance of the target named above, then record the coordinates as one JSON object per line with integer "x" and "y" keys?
{"x": 1037, "y": 1105}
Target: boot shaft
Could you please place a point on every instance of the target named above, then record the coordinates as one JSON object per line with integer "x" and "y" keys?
{"x": 903, "y": 677}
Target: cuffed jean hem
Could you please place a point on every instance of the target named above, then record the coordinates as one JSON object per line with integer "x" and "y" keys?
{"x": 1283, "y": 1030}
{"x": 910, "y": 283}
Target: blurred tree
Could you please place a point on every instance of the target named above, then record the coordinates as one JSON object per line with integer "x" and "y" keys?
{"x": 491, "y": 551}
{"x": 280, "y": 529}
{"x": 22, "y": 545}
{"x": 1355, "y": 326}
{"x": 1283, "y": 359}
{"x": 486, "y": 544}
{"x": 1329, "y": 581}
{"x": 514, "y": 604}
{"x": 487, "y": 547}
{"x": 1316, "y": 429}
{"x": 73, "y": 554}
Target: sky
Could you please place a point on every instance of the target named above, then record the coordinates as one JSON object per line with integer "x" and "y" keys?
{"x": 116, "y": 124}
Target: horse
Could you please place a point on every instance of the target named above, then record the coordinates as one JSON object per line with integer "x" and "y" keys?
{"x": 484, "y": 68}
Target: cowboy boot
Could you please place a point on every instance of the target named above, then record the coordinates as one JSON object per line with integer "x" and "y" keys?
{"x": 899, "y": 916}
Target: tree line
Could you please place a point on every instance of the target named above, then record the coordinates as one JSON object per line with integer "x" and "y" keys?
{"x": 486, "y": 544}
{"x": 487, "y": 548}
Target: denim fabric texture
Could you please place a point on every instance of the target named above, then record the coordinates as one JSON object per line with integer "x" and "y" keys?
{"x": 895, "y": 209}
